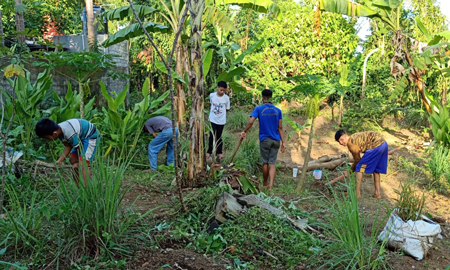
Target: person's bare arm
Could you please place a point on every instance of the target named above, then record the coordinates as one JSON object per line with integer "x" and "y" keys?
{"x": 65, "y": 153}
{"x": 280, "y": 130}
{"x": 248, "y": 126}
{"x": 154, "y": 134}
{"x": 356, "y": 153}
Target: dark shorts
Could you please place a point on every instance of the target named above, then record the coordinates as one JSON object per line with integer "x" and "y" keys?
{"x": 269, "y": 150}
{"x": 374, "y": 160}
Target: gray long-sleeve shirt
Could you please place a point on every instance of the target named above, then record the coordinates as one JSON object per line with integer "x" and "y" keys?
{"x": 158, "y": 124}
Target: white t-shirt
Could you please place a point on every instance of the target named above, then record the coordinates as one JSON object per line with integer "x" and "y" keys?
{"x": 219, "y": 107}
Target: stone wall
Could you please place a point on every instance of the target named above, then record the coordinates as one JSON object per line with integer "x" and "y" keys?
{"x": 62, "y": 75}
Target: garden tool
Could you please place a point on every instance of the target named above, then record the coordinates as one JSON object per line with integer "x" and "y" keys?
{"x": 235, "y": 151}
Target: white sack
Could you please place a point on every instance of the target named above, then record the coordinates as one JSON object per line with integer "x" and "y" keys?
{"x": 415, "y": 238}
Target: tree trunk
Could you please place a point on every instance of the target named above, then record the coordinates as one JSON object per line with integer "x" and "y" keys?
{"x": 196, "y": 168}
{"x": 2, "y": 42}
{"x": 181, "y": 97}
{"x": 302, "y": 179}
{"x": 20, "y": 23}
{"x": 90, "y": 22}
{"x": 341, "y": 110}
{"x": 80, "y": 88}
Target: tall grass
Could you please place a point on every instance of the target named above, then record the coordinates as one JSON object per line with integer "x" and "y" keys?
{"x": 93, "y": 217}
{"x": 439, "y": 167}
{"x": 248, "y": 156}
{"x": 409, "y": 205}
{"x": 237, "y": 120}
{"x": 349, "y": 247}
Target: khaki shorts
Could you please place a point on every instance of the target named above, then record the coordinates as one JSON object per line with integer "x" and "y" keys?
{"x": 269, "y": 150}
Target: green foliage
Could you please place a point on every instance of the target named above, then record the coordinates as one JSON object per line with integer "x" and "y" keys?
{"x": 28, "y": 98}
{"x": 409, "y": 205}
{"x": 440, "y": 121}
{"x": 291, "y": 48}
{"x": 69, "y": 106}
{"x": 349, "y": 247}
{"x": 122, "y": 127}
{"x": 439, "y": 167}
{"x": 236, "y": 120}
{"x": 92, "y": 216}
{"x": 251, "y": 234}
{"x": 248, "y": 156}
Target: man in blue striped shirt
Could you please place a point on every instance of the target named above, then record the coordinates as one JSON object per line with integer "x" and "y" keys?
{"x": 80, "y": 138}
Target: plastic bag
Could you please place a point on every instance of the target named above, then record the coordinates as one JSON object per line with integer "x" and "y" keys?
{"x": 415, "y": 238}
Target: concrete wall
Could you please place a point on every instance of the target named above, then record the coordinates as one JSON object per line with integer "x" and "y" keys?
{"x": 78, "y": 43}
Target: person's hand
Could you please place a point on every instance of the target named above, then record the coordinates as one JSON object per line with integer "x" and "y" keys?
{"x": 243, "y": 134}
{"x": 346, "y": 173}
{"x": 283, "y": 147}
{"x": 59, "y": 162}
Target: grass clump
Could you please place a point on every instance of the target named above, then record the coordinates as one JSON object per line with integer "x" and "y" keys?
{"x": 63, "y": 224}
{"x": 349, "y": 247}
{"x": 439, "y": 168}
{"x": 409, "y": 205}
{"x": 237, "y": 120}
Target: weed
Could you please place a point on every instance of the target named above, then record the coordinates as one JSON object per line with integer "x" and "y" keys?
{"x": 248, "y": 157}
{"x": 349, "y": 248}
{"x": 439, "y": 167}
{"x": 409, "y": 205}
{"x": 237, "y": 120}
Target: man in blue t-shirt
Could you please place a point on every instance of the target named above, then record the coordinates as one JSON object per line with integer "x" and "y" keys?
{"x": 270, "y": 135}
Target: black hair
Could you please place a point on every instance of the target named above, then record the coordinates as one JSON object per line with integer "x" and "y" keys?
{"x": 45, "y": 127}
{"x": 266, "y": 93}
{"x": 338, "y": 134}
{"x": 222, "y": 84}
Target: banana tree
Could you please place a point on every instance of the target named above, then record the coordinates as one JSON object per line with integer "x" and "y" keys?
{"x": 315, "y": 88}
{"x": 389, "y": 12}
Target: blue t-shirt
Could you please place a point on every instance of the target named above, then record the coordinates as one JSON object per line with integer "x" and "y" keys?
{"x": 269, "y": 117}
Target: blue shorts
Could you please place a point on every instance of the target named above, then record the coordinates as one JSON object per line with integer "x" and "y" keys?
{"x": 374, "y": 160}
{"x": 88, "y": 149}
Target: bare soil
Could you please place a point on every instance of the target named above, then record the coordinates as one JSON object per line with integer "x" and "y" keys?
{"x": 414, "y": 144}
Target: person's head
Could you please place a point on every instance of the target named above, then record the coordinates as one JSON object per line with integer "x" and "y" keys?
{"x": 341, "y": 137}
{"x": 221, "y": 88}
{"x": 47, "y": 129}
{"x": 266, "y": 94}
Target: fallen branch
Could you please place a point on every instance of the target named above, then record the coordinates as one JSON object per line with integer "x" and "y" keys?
{"x": 50, "y": 165}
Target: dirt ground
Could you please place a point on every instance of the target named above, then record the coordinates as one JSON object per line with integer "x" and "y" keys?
{"x": 413, "y": 148}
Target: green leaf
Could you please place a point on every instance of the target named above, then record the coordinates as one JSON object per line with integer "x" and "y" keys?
{"x": 348, "y": 8}
{"x": 247, "y": 186}
{"x": 423, "y": 29}
{"x": 106, "y": 95}
{"x": 250, "y": 49}
{"x": 228, "y": 76}
{"x": 146, "y": 87}
{"x": 161, "y": 67}
{"x": 126, "y": 11}
{"x": 132, "y": 31}
{"x": 263, "y": 6}
{"x": 207, "y": 58}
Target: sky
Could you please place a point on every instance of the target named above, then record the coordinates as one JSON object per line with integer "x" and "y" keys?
{"x": 364, "y": 25}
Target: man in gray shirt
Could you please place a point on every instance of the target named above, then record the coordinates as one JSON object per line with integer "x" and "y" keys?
{"x": 163, "y": 126}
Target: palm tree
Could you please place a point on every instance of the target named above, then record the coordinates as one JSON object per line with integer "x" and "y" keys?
{"x": 90, "y": 22}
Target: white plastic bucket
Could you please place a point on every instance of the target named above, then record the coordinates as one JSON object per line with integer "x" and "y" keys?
{"x": 317, "y": 174}
{"x": 294, "y": 172}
